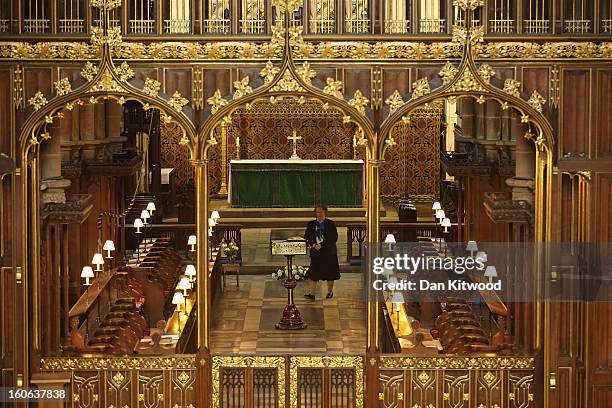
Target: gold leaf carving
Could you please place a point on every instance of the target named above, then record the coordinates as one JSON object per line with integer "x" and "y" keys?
{"x": 334, "y": 88}
{"x": 394, "y": 101}
{"x": 37, "y": 101}
{"x": 89, "y": 71}
{"x": 216, "y": 101}
{"x": 106, "y": 83}
{"x": 486, "y": 72}
{"x": 242, "y": 88}
{"x": 466, "y": 82}
{"x": 62, "y": 87}
{"x": 269, "y": 72}
{"x": 287, "y": 84}
{"x": 177, "y": 101}
{"x": 468, "y": 4}
{"x": 151, "y": 87}
{"x": 359, "y": 102}
{"x": 124, "y": 72}
{"x": 536, "y": 101}
{"x": 448, "y": 73}
{"x": 420, "y": 88}
{"x": 306, "y": 73}
{"x": 512, "y": 87}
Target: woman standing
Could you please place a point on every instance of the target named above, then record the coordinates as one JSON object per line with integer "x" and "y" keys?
{"x": 321, "y": 236}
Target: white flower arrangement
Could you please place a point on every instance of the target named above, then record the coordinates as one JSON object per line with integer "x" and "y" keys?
{"x": 230, "y": 251}
{"x": 298, "y": 271}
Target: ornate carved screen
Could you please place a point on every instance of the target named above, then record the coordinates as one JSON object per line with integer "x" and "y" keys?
{"x": 174, "y": 155}
{"x": 412, "y": 169}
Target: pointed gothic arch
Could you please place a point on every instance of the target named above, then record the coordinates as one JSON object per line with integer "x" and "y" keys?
{"x": 105, "y": 81}
{"x": 288, "y": 81}
{"x": 468, "y": 80}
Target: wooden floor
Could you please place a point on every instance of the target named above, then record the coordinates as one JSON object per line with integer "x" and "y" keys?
{"x": 244, "y": 318}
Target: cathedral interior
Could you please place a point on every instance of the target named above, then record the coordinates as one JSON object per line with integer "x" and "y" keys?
{"x": 160, "y": 160}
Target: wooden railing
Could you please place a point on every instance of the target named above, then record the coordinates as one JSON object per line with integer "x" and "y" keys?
{"x": 403, "y": 232}
{"x": 457, "y": 381}
{"x": 126, "y": 382}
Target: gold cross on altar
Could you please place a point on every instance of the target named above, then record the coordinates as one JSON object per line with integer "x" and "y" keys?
{"x": 294, "y": 139}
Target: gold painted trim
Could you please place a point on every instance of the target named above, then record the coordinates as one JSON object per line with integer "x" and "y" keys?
{"x": 348, "y": 50}
{"x": 522, "y": 363}
{"x": 220, "y": 362}
{"x": 121, "y": 363}
{"x": 355, "y": 362}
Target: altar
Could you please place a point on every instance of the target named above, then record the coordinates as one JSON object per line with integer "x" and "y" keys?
{"x": 296, "y": 183}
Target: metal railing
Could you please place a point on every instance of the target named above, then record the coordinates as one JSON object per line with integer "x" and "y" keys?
{"x": 142, "y": 26}
{"x": 432, "y": 25}
{"x": 536, "y": 26}
{"x": 250, "y": 26}
{"x": 177, "y": 26}
{"x": 4, "y": 25}
{"x": 67, "y": 25}
{"x": 357, "y": 25}
{"x": 217, "y": 26}
{"x": 606, "y": 26}
{"x": 327, "y": 26}
{"x": 36, "y": 25}
{"x": 501, "y": 26}
{"x": 577, "y": 26}
{"x": 397, "y": 26}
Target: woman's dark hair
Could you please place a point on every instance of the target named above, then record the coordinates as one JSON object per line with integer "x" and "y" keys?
{"x": 322, "y": 207}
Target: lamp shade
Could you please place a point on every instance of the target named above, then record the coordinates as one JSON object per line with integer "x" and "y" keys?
{"x": 184, "y": 283}
{"x": 436, "y": 206}
{"x": 491, "y": 271}
{"x": 392, "y": 280}
{"x": 212, "y": 222}
{"x": 178, "y": 298}
{"x": 397, "y": 297}
{"x": 471, "y": 246}
{"x": 446, "y": 222}
{"x": 109, "y": 245}
{"x": 440, "y": 214}
{"x": 151, "y": 207}
{"x": 190, "y": 270}
{"x": 97, "y": 259}
{"x": 138, "y": 224}
{"x": 390, "y": 239}
{"x": 215, "y": 215}
{"x": 144, "y": 214}
{"x": 482, "y": 256}
{"x": 192, "y": 240}
{"x": 87, "y": 272}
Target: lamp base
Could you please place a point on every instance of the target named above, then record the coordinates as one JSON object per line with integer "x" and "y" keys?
{"x": 291, "y": 319}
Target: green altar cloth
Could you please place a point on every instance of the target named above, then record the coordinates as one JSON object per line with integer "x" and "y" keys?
{"x": 296, "y": 183}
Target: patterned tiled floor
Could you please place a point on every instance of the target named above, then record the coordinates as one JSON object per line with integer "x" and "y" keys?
{"x": 244, "y": 318}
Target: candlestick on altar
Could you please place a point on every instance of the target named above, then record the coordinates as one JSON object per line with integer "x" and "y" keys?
{"x": 354, "y": 147}
{"x": 238, "y": 147}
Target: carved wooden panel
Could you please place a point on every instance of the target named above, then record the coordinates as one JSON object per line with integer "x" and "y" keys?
{"x": 173, "y": 154}
{"x": 129, "y": 382}
{"x": 5, "y": 110}
{"x": 575, "y": 112}
{"x": 603, "y": 119}
{"x": 412, "y": 167}
{"x": 178, "y": 80}
{"x": 452, "y": 382}
{"x": 357, "y": 79}
{"x": 396, "y": 79}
